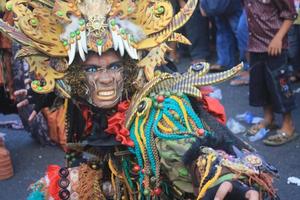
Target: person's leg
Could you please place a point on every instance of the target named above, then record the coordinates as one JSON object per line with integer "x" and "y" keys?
{"x": 258, "y": 91}
{"x": 294, "y": 50}
{"x": 282, "y": 98}
{"x": 197, "y": 31}
{"x": 241, "y": 34}
{"x": 239, "y": 26}
{"x": 225, "y": 45}
{"x": 287, "y": 124}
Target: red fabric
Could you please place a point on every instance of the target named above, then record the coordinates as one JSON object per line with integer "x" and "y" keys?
{"x": 116, "y": 125}
{"x": 215, "y": 108}
{"x": 87, "y": 115}
{"x": 53, "y": 176}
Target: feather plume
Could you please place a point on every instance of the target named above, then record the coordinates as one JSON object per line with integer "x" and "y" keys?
{"x": 131, "y": 28}
{"x": 69, "y": 28}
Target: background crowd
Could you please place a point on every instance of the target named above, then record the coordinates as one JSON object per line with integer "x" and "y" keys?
{"x": 264, "y": 35}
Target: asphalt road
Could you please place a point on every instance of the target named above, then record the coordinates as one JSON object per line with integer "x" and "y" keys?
{"x": 30, "y": 159}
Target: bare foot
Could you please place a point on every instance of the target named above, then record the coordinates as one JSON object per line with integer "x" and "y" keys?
{"x": 287, "y": 124}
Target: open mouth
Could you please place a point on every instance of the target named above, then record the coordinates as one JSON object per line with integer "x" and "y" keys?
{"x": 106, "y": 94}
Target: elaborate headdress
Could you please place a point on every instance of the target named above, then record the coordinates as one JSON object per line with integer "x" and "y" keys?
{"x": 59, "y": 29}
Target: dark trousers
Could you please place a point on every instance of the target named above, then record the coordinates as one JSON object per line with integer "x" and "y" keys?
{"x": 197, "y": 31}
{"x": 269, "y": 82}
{"x": 294, "y": 46}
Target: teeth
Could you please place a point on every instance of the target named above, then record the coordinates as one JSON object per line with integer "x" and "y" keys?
{"x": 106, "y": 93}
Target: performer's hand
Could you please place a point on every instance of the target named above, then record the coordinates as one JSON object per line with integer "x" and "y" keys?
{"x": 236, "y": 190}
{"x": 26, "y": 97}
{"x": 22, "y": 94}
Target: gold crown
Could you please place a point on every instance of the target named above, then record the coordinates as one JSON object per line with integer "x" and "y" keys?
{"x": 61, "y": 28}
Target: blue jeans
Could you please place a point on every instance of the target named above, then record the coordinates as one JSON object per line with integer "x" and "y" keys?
{"x": 232, "y": 34}
{"x": 294, "y": 46}
{"x": 197, "y": 31}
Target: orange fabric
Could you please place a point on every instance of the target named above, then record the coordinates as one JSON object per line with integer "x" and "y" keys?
{"x": 87, "y": 115}
{"x": 215, "y": 108}
{"x": 5, "y": 43}
{"x": 53, "y": 176}
{"x": 56, "y": 125}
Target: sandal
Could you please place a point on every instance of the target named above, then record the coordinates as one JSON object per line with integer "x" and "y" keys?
{"x": 256, "y": 127}
{"x": 239, "y": 81}
{"x": 279, "y": 138}
{"x": 216, "y": 68}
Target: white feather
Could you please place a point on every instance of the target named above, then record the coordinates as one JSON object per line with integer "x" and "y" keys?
{"x": 128, "y": 49}
{"x": 69, "y": 28}
{"x": 83, "y": 40}
{"x": 115, "y": 41}
{"x": 81, "y": 50}
{"x": 120, "y": 45}
{"x": 72, "y": 52}
{"x": 136, "y": 56}
{"x": 100, "y": 50}
{"x": 132, "y": 28}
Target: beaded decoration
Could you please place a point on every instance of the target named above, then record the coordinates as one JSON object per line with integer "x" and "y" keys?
{"x": 163, "y": 116}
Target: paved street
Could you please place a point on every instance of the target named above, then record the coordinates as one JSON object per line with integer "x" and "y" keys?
{"x": 30, "y": 159}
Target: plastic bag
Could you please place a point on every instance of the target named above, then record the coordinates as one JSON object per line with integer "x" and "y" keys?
{"x": 235, "y": 127}
{"x": 216, "y": 93}
{"x": 249, "y": 118}
{"x": 259, "y": 135}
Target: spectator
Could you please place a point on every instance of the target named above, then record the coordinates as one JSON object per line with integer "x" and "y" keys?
{"x": 242, "y": 37}
{"x": 197, "y": 31}
{"x": 294, "y": 44}
{"x": 227, "y": 14}
{"x": 269, "y": 22}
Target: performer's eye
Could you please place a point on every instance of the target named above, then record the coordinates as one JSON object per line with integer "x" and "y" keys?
{"x": 115, "y": 67}
{"x": 91, "y": 69}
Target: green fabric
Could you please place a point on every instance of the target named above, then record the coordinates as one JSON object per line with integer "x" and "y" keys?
{"x": 171, "y": 153}
{"x": 226, "y": 177}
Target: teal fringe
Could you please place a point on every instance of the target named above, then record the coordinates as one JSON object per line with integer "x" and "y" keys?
{"x": 36, "y": 195}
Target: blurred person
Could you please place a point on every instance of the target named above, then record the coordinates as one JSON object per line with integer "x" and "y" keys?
{"x": 197, "y": 31}
{"x": 269, "y": 22}
{"x": 242, "y": 36}
{"x": 227, "y": 15}
{"x": 294, "y": 44}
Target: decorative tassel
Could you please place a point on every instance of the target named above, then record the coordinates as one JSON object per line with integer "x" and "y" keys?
{"x": 36, "y": 195}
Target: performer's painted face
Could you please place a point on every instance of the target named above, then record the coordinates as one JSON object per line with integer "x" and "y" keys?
{"x": 104, "y": 78}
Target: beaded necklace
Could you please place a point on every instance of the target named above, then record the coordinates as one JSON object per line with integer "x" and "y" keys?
{"x": 162, "y": 117}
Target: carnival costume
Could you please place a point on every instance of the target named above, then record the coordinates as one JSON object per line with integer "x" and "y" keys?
{"x": 164, "y": 139}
